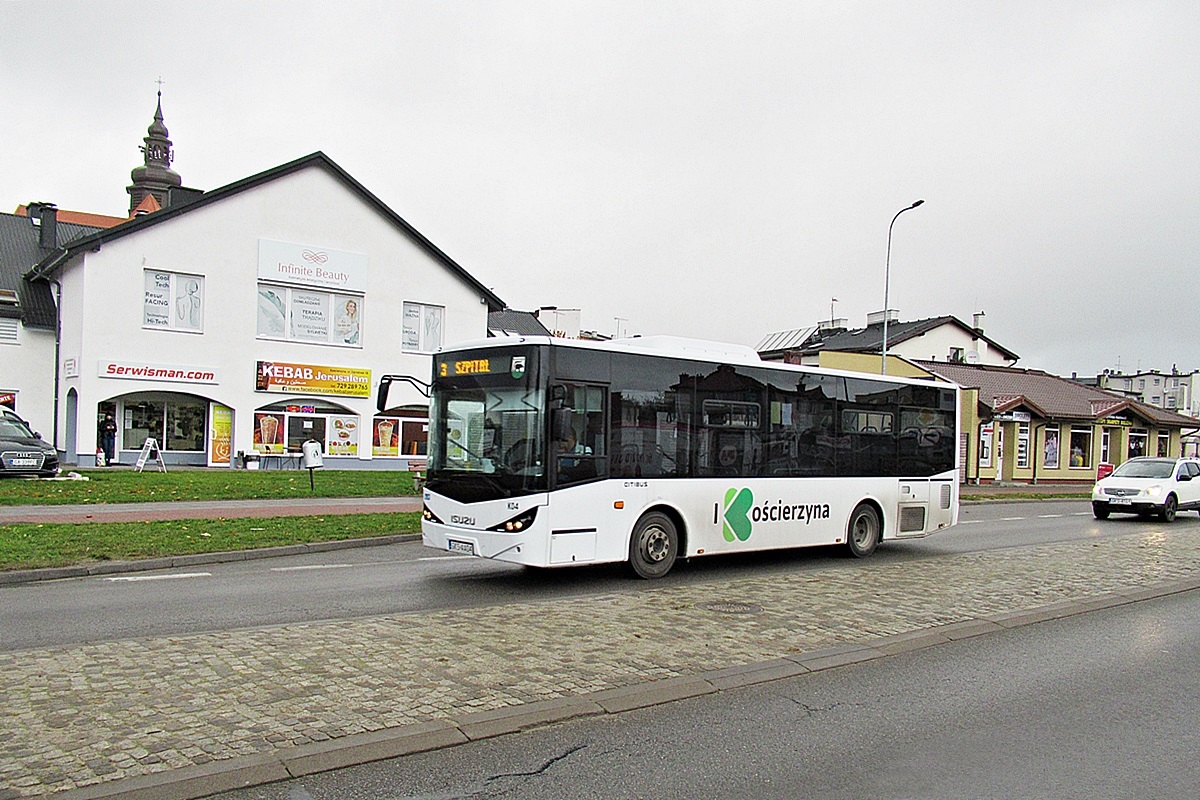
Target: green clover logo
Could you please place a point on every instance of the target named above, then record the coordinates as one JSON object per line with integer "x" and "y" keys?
{"x": 738, "y": 503}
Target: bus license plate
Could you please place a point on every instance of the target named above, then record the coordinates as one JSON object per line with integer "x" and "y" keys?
{"x": 460, "y": 547}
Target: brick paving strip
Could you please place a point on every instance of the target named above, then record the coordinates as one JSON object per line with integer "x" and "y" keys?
{"x": 184, "y": 716}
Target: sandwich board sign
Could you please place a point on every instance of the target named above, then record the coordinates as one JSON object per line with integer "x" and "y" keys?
{"x": 150, "y": 450}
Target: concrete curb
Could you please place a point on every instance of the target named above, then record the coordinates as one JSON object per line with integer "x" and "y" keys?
{"x": 191, "y": 783}
{"x": 195, "y": 559}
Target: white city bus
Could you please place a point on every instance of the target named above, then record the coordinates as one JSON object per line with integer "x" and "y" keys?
{"x": 552, "y": 452}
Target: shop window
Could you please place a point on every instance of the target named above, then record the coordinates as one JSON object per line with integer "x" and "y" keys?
{"x": 422, "y": 325}
{"x": 414, "y": 439}
{"x": 309, "y": 315}
{"x": 285, "y": 427}
{"x": 1139, "y": 438}
{"x": 1164, "y": 445}
{"x": 1023, "y": 445}
{"x": 1050, "y": 448}
{"x": 177, "y": 425}
{"x": 142, "y": 420}
{"x": 186, "y": 424}
{"x": 985, "y": 446}
{"x": 173, "y": 301}
{"x": 305, "y": 427}
{"x": 1081, "y": 448}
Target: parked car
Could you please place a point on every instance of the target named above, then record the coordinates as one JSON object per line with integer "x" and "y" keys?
{"x": 1147, "y": 486}
{"x": 22, "y": 452}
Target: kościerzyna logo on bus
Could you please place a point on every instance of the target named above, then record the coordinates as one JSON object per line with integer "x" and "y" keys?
{"x": 742, "y": 513}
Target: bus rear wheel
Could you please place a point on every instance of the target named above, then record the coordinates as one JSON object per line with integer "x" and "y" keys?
{"x": 863, "y": 532}
{"x": 654, "y": 545}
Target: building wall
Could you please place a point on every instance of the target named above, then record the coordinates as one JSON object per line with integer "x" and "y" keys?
{"x": 27, "y": 370}
{"x": 936, "y": 345}
{"x": 1041, "y": 432}
{"x": 105, "y": 291}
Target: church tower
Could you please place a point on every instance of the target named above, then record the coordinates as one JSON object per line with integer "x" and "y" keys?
{"x": 154, "y": 178}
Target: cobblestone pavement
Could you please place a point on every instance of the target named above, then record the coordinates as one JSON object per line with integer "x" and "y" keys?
{"x": 93, "y": 714}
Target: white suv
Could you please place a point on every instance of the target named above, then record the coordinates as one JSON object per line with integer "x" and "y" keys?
{"x": 1148, "y": 486}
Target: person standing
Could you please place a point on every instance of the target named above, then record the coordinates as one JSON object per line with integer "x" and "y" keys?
{"x": 108, "y": 438}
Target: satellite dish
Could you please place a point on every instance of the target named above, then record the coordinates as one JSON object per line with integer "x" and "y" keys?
{"x": 973, "y": 357}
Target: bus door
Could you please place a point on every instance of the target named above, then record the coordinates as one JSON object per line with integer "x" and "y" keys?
{"x": 578, "y": 456}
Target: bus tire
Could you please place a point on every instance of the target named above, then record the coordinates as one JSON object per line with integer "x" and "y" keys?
{"x": 864, "y": 531}
{"x": 654, "y": 545}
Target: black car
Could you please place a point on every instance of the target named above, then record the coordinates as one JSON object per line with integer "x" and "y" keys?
{"x": 22, "y": 452}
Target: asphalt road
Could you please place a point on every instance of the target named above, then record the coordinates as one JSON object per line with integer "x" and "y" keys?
{"x": 409, "y": 578}
{"x": 1094, "y": 706}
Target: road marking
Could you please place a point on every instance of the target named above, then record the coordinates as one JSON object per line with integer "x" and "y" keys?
{"x": 1011, "y": 519}
{"x": 133, "y": 578}
{"x": 444, "y": 558}
{"x": 1051, "y": 516}
{"x": 311, "y": 566}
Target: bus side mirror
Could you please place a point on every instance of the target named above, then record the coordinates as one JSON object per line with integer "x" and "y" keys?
{"x": 381, "y": 400}
{"x": 560, "y": 424}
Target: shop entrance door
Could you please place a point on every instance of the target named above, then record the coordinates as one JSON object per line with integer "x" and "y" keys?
{"x": 220, "y": 435}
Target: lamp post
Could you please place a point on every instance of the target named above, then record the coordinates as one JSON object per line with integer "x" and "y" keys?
{"x": 887, "y": 275}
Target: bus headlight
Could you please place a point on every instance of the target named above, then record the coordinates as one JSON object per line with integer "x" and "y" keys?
{"x": 517, "y": 523}
{"x": 428, "y": 515}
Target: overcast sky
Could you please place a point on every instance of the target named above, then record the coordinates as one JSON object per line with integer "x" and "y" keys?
{"x": 716, "y": 170}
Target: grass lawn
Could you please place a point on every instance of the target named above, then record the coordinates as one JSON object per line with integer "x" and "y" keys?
{"x": 31, "y": 546}
{"x": 126, "y": 486}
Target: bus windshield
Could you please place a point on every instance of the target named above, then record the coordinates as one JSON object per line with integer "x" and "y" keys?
{"x": 486, "y": 429}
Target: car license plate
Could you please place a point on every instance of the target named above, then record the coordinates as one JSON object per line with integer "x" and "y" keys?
{"x": 1121, "y": 501}
{"x": 26, "y": 462}
{"x": 460, "y": 547}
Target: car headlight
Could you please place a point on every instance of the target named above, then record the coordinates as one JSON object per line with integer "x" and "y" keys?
{"x": 1154, "y": 491}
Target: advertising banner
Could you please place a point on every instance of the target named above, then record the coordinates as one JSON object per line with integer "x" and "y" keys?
{"x": 268, "y": 433}
{"x": 220, "y": 444}
{"x": 138, "y": 371}
{"x": 308, "y": 265}
{"x": 276, "y": 376}
{"x": 343, "y": 436}
{"x": 386, "y": 436}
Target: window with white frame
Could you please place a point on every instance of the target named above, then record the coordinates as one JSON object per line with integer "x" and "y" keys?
{"x": 1138, "y": 440}
{"x": 422, "y": 327}
{"x": 173, "y": 301}
{"x": 1050, "y": 447}
{"x": 985, "y": 446}
{"x": 1023, "y": 445}
{"x": 1081, "y": 447}
{"x": 309, "y": 315}
{"x": 8, "y": 330}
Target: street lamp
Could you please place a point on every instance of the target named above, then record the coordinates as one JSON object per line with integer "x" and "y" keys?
{"x": 887, "y": 274}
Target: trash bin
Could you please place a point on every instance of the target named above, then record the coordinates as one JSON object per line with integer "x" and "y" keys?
{"x": 311, "y": 451}
{"x": 250, "y": 460}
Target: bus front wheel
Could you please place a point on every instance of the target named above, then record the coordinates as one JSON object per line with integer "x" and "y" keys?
{"x": 654, "y": 545}
{"x": 863, "y": 532}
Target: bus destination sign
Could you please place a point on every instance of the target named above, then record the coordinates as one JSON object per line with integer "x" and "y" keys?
{"x": 482, "y": 366}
